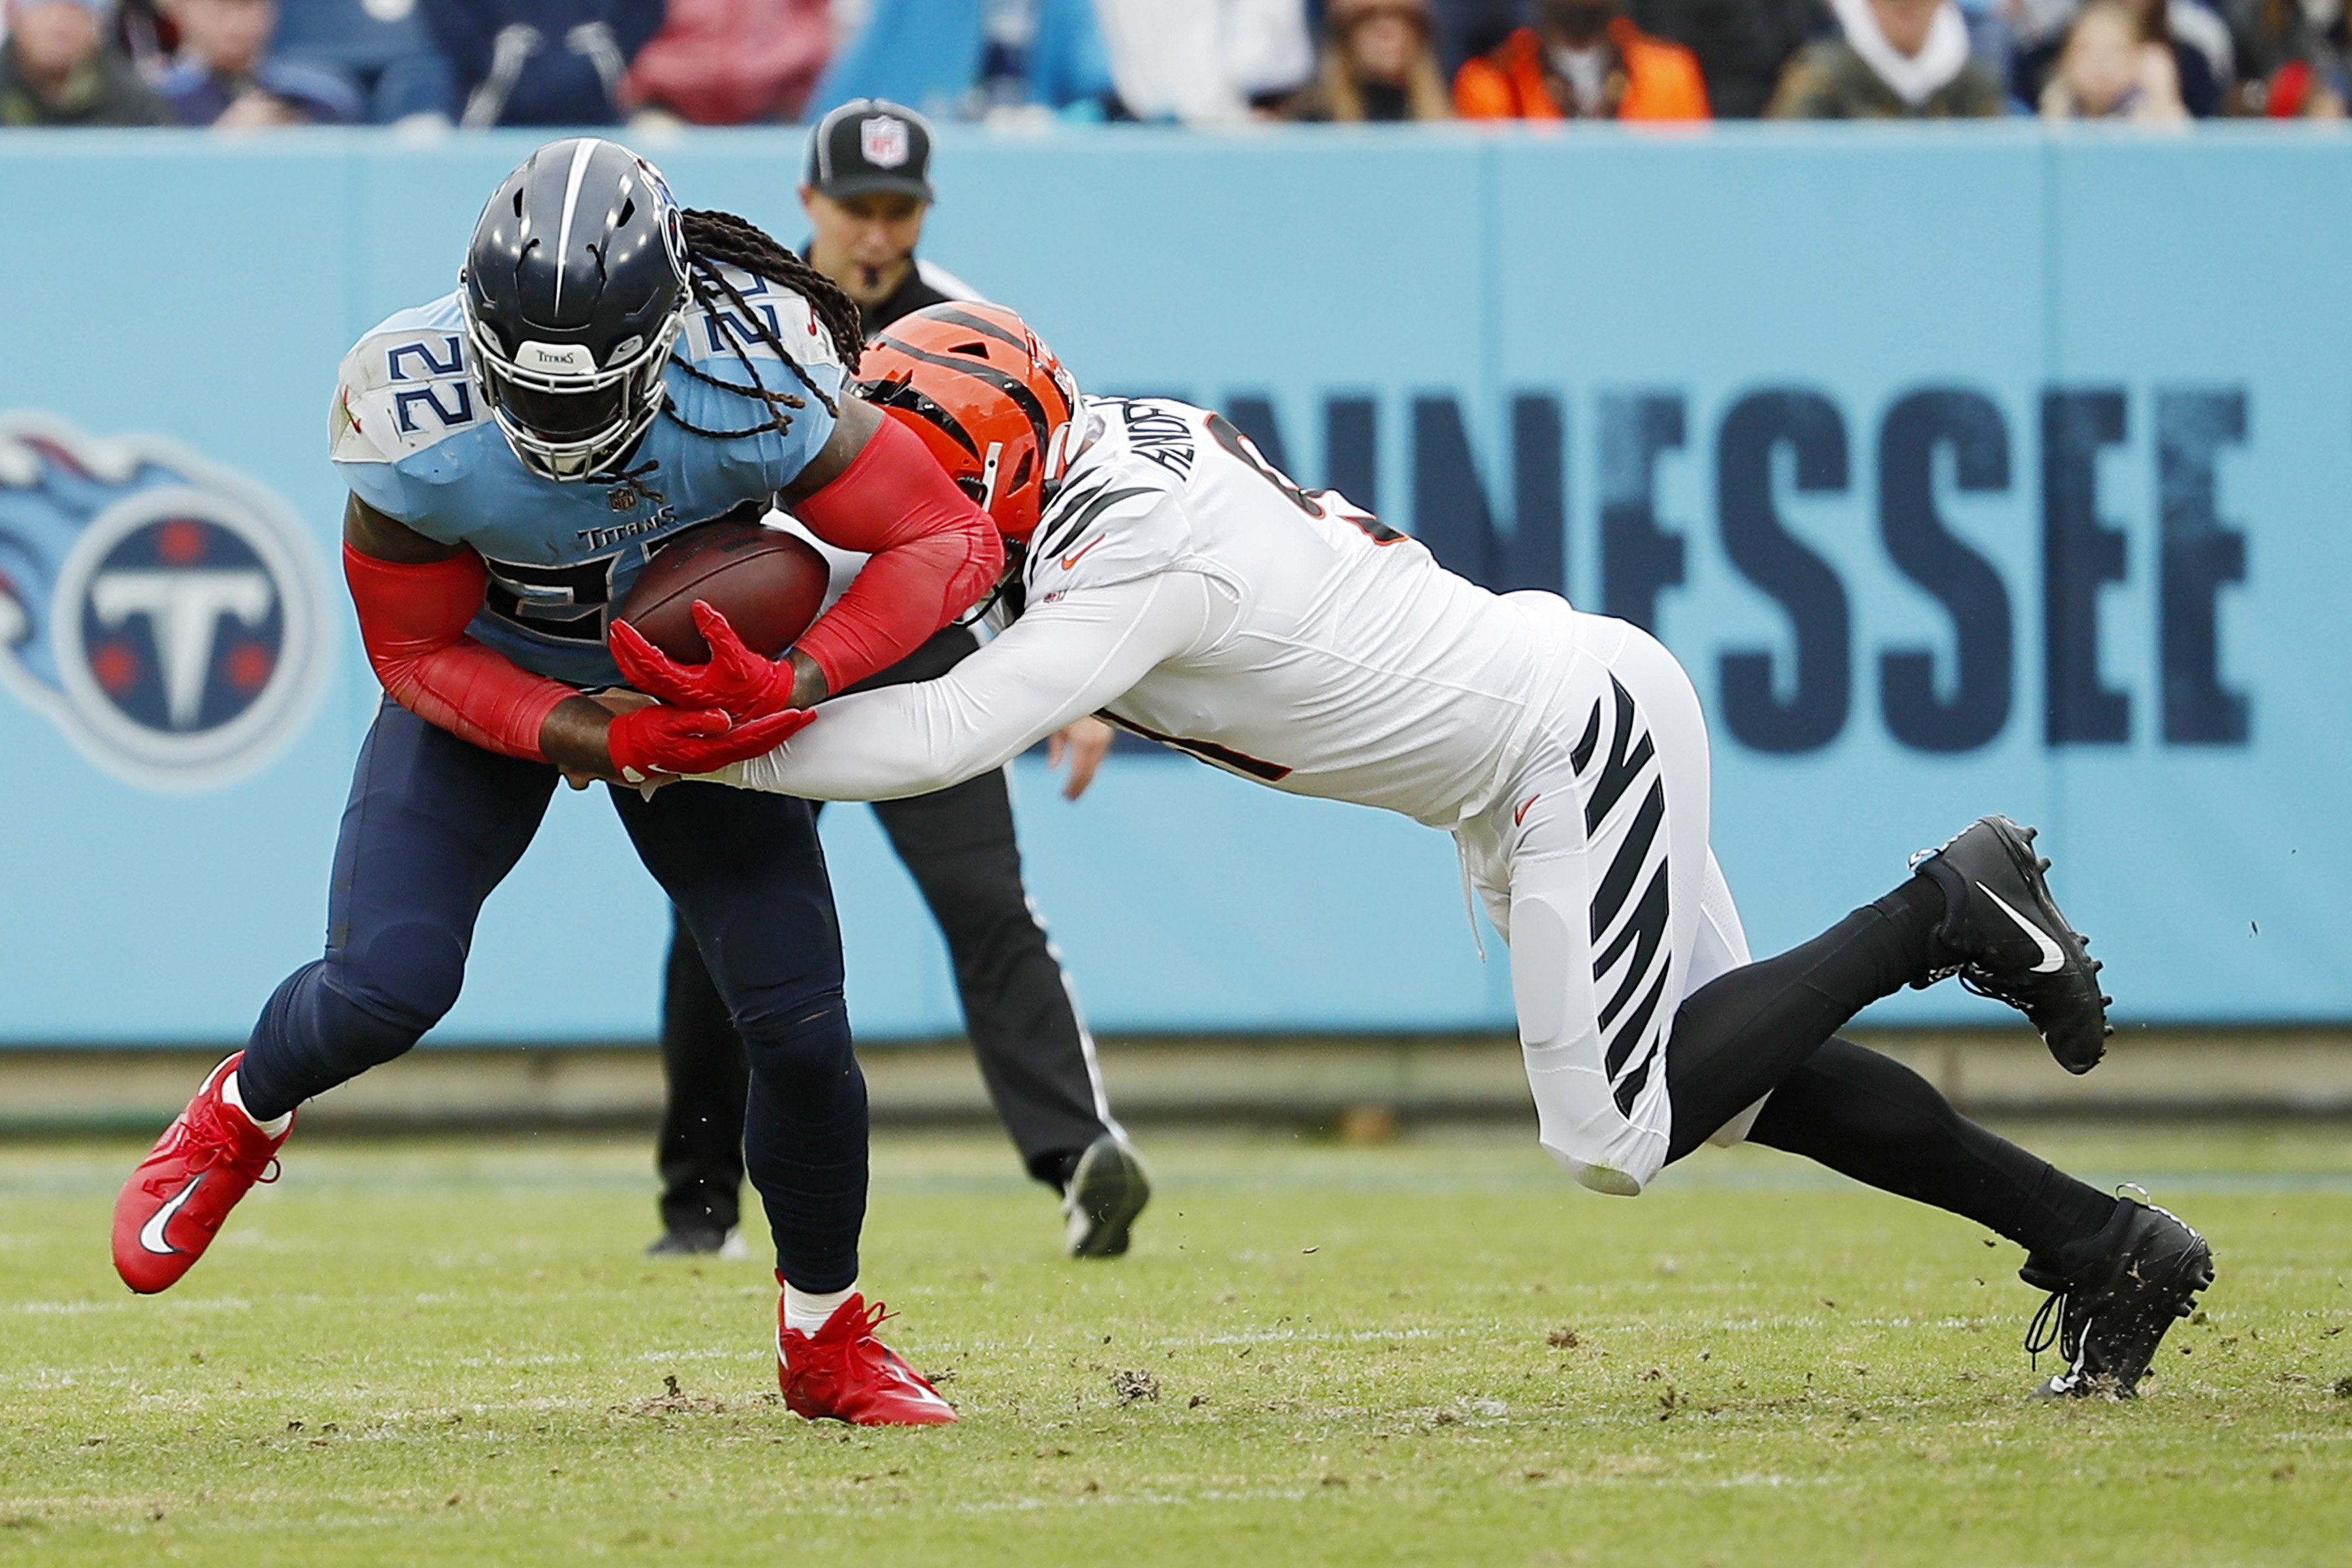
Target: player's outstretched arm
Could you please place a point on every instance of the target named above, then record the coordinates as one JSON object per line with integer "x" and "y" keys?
{"x": 415, "y": 596}
{"x": 875, "y": 489}
{"x": 1056, "y": 663}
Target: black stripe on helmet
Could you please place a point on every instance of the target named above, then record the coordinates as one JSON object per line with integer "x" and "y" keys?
{"x": 981, "y": 324}
{"x": 1011, "y": 386}
{"x": 905, "y": 396}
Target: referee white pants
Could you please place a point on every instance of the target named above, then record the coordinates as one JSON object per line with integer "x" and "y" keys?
{"x": 1594, "y": 866}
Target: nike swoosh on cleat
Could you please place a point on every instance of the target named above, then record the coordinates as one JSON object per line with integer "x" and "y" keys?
{"x": 925, "y": 1395}
{"x": 2052, "y": 958}
{"x": 915, "y": 1385}
{"x": 151, "y": 1234}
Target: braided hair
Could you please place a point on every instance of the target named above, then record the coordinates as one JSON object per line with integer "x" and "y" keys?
{"x": 714, "y": 239}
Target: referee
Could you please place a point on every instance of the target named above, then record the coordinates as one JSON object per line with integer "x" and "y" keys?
{"x": 866, "y": 193}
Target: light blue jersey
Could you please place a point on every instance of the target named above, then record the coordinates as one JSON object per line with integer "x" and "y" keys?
{"x": 413, "y": 439}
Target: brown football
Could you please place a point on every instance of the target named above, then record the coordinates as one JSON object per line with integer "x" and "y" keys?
{"x": 768, "y": 586}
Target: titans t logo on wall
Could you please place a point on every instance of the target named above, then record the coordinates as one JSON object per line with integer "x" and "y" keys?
{"x": 164, "y": 612}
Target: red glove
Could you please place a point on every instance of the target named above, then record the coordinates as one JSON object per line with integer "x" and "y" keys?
{"x": 649, "y": 741}
{"x": 736, "y": 680}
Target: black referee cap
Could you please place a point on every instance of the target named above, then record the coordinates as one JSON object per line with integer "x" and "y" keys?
{"x": 871, "y": 144}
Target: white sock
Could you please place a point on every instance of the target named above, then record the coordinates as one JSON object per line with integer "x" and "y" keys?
{"x": 228, "y": 1092}
{"x": 807, "y": 1312}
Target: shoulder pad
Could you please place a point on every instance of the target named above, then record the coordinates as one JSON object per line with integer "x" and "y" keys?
{"x": 713, "y": 336}
{"x": 1111, "y": 523}
{"x": 404, "y": 386}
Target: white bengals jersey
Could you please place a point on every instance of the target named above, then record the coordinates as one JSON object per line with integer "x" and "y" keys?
{"x": 1187, "y": 590}
{"x": 1352, "y": 665}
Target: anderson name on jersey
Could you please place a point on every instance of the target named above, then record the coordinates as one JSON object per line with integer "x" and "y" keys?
{"x": 411, "y": 436}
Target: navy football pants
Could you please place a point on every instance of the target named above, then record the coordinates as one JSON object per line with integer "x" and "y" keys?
{"x": 434, "y": 822}
{"x": 1035, "y": 1057}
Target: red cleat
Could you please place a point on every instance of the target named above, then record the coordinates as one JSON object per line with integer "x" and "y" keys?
{"x": 842, "y": 1370}
{"x": 175, "y": 1203}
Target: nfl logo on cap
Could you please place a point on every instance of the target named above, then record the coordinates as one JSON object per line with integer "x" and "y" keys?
{"x": 884, "y": 141}
{"x": 871, "y": 144}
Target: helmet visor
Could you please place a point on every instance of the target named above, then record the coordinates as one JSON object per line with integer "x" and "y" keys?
{"x": 560, "y": 417}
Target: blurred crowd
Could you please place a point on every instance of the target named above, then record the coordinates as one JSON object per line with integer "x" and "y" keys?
{"x": 256, "y": 63}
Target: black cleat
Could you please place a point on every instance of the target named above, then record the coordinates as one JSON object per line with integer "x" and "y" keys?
{"x": 1107, "y": 1191}
{"x": 2113, "y": 1295}
{"x": 2004, "y": 937}
{"x": 695, "y": 1241}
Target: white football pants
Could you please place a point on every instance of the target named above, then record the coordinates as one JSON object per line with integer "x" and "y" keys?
{"x": 1594, "y": 867}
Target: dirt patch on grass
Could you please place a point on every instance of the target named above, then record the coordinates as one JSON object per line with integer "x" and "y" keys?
{"x": 675, "y": 1401}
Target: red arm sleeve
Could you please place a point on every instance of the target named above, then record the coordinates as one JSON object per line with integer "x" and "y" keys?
{"x": 934, "y": 554}
{"x": 412, "y": 619}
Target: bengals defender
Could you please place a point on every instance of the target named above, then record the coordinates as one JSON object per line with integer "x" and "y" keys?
{"x": 1172, "y": 579}
{"x": 610, "y": 371}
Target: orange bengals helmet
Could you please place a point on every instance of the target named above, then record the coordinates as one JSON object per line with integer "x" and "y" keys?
{"x": 987, "y": 396}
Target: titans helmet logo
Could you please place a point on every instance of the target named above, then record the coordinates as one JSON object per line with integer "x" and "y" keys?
{"x": 165, "y": 613}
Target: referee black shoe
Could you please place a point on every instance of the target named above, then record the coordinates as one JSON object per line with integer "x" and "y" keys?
{"x": 2112, "y": 1296}
{"x": 698, "y": 1241}
{"x": 2004, "y": 937}
{"x": 1107, "y": 1191}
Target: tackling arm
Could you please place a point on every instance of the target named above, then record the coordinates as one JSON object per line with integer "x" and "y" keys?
{"x": 1057, "y": 662}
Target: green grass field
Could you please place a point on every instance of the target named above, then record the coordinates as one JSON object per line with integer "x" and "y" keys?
{"x": 1436, "y": 1350}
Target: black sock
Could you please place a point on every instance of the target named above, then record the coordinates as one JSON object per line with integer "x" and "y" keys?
{"x": 1742, "y": 1033}
{"x": 1055, "y": 1167}
{"x": 2059, "y": 1212}
{"x": 1913, "y": 911}
{"x": 1871, "y": 1117}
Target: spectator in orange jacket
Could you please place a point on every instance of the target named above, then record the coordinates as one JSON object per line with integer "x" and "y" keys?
{"x": 1581, "y": 61}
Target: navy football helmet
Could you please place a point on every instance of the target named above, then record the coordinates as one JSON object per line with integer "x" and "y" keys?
{"x": 574, "y": 291}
